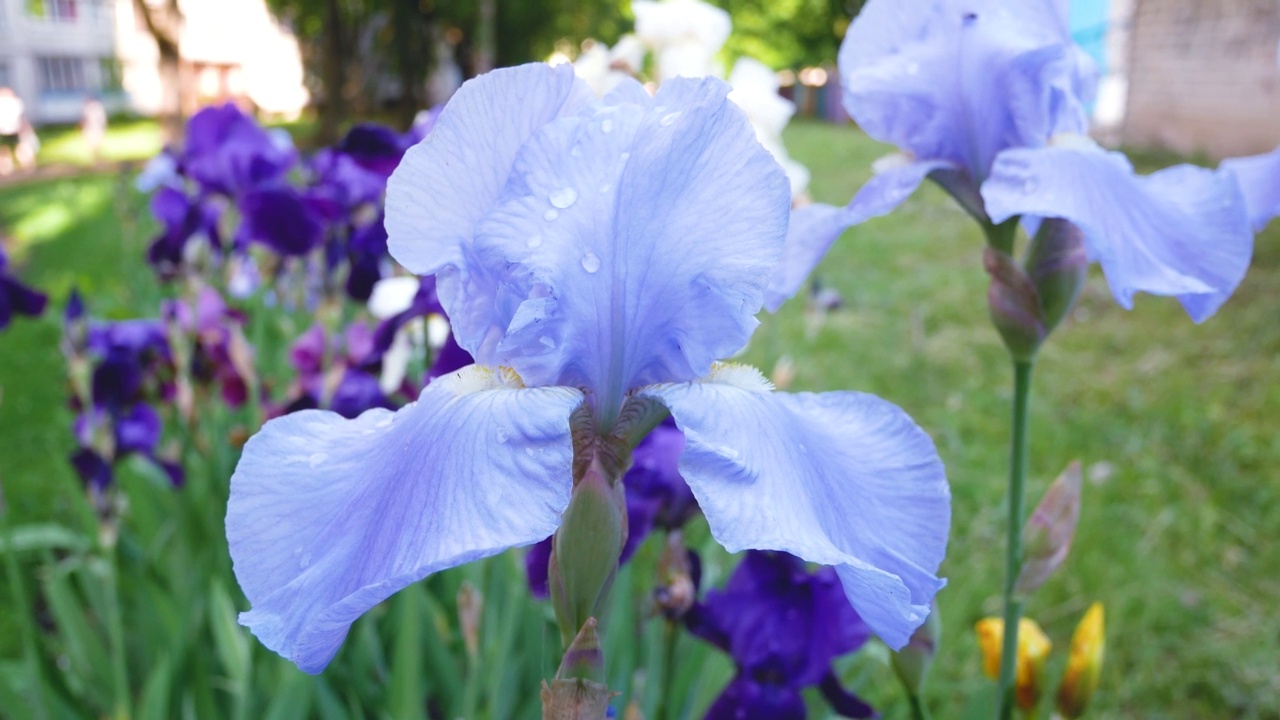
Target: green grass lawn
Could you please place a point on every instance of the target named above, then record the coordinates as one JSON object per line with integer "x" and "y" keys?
{"x": 126, "y": 139}
{"x": 1177, "y": 425}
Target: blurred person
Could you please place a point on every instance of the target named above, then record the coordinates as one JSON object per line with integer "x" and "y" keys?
{"x": 28, "y": 146}
{"x": 93, "y": 126}
{"x": 11, "y": 120}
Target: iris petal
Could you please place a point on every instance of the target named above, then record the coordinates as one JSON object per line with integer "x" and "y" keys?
{"x": 1183, "y": 231}
{"x": 814, "y": 228}
{"x": 961, "y": 80}
{"x": 328, "y": 517}
{"x": 1259, "y": 177}
{"x": 843, "y": 479}
{"x": 637, "y": 241}
{"x": 447, "y": 183}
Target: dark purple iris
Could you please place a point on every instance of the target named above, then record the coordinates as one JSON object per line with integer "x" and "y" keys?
{"x": 16, "y": 297}
{"x": 375, "y": 147}
{"x": 183, "y": 219}
{"x": 227, "y": 152}
{"x": 220, "y": 354}
{"x": 425, "y": 302}
{"x": 339, "y": 381}
{"x": 783, "y": 626}
{"x": 281, "y": 218}
{"x": 131, "y": 367}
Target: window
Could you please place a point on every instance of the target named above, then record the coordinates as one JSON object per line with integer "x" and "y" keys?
{"x": 61, "y": 74}
{"x": 61, "y": 10}
{"x": 110, "y": 73}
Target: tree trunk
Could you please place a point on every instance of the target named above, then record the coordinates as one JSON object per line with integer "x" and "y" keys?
{"x": 486, "y": 34}
{"x": 165, "y": 25}
{"x": 333, "y": 111}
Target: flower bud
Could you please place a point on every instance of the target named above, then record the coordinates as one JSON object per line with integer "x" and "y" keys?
{"x": 1084, "y": 667}
{"x": 1033, "y": 650}
{"x": 585, "y": 551}
{"x": 1013, "y": 304}
{"x": 578, "y": 691}
{"x": 1058, "y": 266}
{"x": 912, "y": 662}
{"x": 1047, "y": 537}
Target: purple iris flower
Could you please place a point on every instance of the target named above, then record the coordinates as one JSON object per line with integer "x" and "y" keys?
{"x": 595, "y": 257}
{"x": 1259, "y": 177}
{"x": 221, "y": 354}
{"x": 183, "y": 219}
{"x": 344, "y": 384}
{"x": 987, "y": 98}
{"x": 133, "y": 367}
{"x": 375, "y": 147}
{"x": 16, "y": 297}
{"x": 227, "y": 152}
{"x": 784, "y": 626}
{"x": 281, "y": 218}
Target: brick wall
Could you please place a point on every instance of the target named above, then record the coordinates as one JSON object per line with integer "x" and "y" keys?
{"x": 1203, "y": 76}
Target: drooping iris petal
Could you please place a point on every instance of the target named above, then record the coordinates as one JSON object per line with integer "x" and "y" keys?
{"x": 842, "y": 479}
{"x": 137, "y": 430}
{"x": 1259, "y": 177}
{"x": 328, "y": 517}
{"x": 814, "y": 228}
{"x": 1182, "y": 231}
{"x": 228, "y": 152}
{"x": 281, "y": 219}
{"x": 637, "y": 240}
{"x": 961, "y": 80}
{"x": 746, "y": 699}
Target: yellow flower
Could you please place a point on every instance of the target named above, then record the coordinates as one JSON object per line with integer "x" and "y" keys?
{"x": 1084, "y": 667}
{"x": 1033, "y": 650}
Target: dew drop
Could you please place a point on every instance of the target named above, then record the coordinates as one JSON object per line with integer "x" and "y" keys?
{"x": 624, "y": 156}
{"x": 1030, "y": 185}
{"x": 550, "y": 214}
{"x": 564, "y": 197}
{"x": 503, "y": 436}
{"x": 305, "y": 561}
{"x": 590, "y": 262}
{"x": 548, "y": 342}
{"x": 669, "y": 118}
{"x": 605, "y": 188}
{"x": 606, "y": 126}
{"x": 317, "y": 459}
{"x": 534, "y": 241}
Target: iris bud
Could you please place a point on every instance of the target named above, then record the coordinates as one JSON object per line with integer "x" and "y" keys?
{"x": 1013, "y": 304}
{"x": 1084, "y": 667}
{"x": 1058, "y": 266}
{"x": 1047, "y": 537}
{"x": 1033, "y": 651}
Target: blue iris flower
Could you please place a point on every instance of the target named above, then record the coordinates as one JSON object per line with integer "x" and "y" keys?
{"x": 987, "y": 98}
{"x": 596, "y": 258}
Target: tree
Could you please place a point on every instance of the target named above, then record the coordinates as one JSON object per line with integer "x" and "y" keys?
{"x": 164, "y": 22}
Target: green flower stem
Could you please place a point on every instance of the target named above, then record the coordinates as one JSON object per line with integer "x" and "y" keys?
{"x": 919, "y": 711}
{"x": 1013, "y": 558}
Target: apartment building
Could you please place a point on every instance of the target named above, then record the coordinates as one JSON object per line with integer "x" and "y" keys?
{"x": 57, "y": 53}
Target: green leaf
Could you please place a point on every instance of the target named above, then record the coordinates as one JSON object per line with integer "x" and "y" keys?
{"x": 155, "y": 692}
{"x": 45, "y": 536}
{"x": 229, "y": 638}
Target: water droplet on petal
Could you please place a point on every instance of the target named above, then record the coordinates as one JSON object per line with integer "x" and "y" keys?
{"x": 503, "y": 436}
{"x": 548, "y": 342}
{"x": 606, "y": 188}
{"x": 1030, "y": 185}
{"x": 624, "y": 156}
{"x": 317, "y": 459}
{"x": 590, "y": 262}
{"x": 550, "y": 214}
{"x": 534, "y": 241}
{"x": 606, "y": 126}
{"x": 564, "y": 197}
{"x": 305, "y": 561}
{"x": 669, "y": 118}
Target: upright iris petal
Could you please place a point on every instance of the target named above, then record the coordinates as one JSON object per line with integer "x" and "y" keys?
{"x": 592, "y": 256}
{"x": 985, "y": 96}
